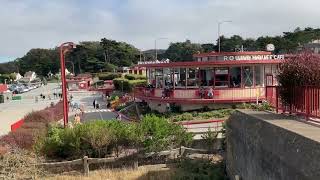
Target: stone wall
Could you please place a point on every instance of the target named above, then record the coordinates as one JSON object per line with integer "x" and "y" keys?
{"x": 266, "y": 146}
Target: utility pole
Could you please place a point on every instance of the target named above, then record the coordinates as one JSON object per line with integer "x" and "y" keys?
{"x": 155, "y": 46}
{"x": 219, "y": 24}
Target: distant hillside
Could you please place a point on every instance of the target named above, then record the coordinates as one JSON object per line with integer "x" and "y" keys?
{"x": 153, "y": 51}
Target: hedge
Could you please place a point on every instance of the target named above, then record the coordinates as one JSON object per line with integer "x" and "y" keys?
{"x": 109, "y": 76}
{"x": 135, "y": 77}
{"x": 127, "y": 85}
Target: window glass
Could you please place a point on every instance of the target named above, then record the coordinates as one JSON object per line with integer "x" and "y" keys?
{"x": 159, "y": 78}
{"x": 152, "y": 78}
{"x": 167, "y": 77}
{"x": 191, "y": 79}
{"x": 181, "y": 77}
{"x": 206, "y": 77}
{"x": 259, "y": 75}
{"x": 235, "y": 76}
{"x": 247, "y": 74}
{"x": 221, "y": 77}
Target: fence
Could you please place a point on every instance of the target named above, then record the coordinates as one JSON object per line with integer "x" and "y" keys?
{"x": 296, "y": 100}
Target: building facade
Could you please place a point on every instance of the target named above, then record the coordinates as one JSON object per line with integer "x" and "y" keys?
{"x": 210, "y": 80}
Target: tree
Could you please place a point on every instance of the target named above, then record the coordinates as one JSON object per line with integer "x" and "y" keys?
{"x": 182, "y": 51}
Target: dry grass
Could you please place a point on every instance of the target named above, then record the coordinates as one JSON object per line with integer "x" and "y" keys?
{"x": 153, "y": 172}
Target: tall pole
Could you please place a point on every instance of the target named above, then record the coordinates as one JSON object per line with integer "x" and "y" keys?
{"x": 155, "y": 46}
{"x": 63, "y": 49}
{"x": 219, "y": 43}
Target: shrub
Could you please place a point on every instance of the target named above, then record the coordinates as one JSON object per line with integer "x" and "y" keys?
{"x": 135, "y": 77}
{"x": 299, "y": 70}
{"x": 127, "y": 85}
{"x": 19, "y": 164}
{"x": 182, "y": 117}
{"x": 160, "y": 134}
{"x": 109, "y": 76}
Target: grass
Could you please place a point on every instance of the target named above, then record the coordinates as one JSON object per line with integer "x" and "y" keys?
{"x": 155, "y": 172}
{"x": 189, "y": 116}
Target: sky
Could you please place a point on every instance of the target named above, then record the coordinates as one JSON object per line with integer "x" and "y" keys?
{"x": 27, "y": 24}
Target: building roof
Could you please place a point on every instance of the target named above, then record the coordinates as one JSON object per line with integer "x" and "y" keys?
{"x": 210, "y": 63}
{"x": 232, "y": 53}
{"x": 28, "y": 74}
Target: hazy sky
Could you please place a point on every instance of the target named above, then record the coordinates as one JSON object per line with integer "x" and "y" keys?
{"x": 27, "y": 24}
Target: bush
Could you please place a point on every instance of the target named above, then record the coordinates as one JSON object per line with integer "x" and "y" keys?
{"x": 183, "y": 117}
{"x": 127, "y": 85}
{"x": 299, "y": 70}
{"x": 109, "y": 76}
{"x": 100, "y": 138}
{"x": 135, "y": 77}
{"x": 19, "y": 164}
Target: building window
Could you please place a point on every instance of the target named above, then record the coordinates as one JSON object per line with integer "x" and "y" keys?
{"x": 247, "y": 74}
{"x": 151, "y": 78}
{"x": 206, "y": 77}
{"x": 192, "y": 78}
{"x": 159, "y": 78}
{"x": 181, "y": 77}
{"x": 259, "y": 75}
{"x": 135, "y": 71}
{"x": 130, "y": 71}
{"x": 140, "y": 72}
{"x": 235, "y": 77}
{"x": 221, "y": 77}
{"x": 167, "y": 77}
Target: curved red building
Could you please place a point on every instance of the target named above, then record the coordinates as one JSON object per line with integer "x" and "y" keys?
{"x": 210, "y": 80}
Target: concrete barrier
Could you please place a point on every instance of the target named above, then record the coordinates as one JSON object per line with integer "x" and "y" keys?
{"x": 268, "y": 146}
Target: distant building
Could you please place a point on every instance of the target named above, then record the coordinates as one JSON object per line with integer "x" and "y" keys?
{"x": 18, "y": 76}
{"x": 313, "y": 46}
{"x": 133, "y": 70}
{"x": 28, "y": 77}
{"x": 79, "y": 82}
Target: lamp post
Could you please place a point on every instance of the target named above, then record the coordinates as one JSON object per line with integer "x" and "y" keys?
{"x": 219, "y": 24}
{"x": 64, "y": 47}
{"x": 155, "y": 46}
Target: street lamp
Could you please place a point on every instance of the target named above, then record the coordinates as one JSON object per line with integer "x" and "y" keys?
{"x": 219, "y": 24}
{"x": 64, "y": 47}
{"x": 155, "y": 46}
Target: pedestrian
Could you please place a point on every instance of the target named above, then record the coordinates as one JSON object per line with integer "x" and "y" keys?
{"x": 77, "y": 119}
{"x": 210, "y": 93}
{"x": 94, "y": 103}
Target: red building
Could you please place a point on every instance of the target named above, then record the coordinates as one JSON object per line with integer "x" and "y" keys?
{"x": 211, "y": 80}
{"x": 79, "y": 82}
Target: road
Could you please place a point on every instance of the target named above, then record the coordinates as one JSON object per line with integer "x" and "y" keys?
{"x": 12, "y": 111}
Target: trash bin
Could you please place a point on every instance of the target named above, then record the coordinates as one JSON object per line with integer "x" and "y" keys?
{"x": 1, "y": 98}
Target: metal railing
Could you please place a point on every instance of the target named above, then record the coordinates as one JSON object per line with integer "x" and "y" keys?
{"x": 304, "y": 100}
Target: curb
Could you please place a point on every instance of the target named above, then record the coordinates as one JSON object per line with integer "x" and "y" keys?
{"x": 201, "y": 122}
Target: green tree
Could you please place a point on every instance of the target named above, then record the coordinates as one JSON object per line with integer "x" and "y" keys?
{"x": 182, "y": 51}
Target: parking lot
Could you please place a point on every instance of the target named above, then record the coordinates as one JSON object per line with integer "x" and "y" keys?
{"x": 14, "y": 110}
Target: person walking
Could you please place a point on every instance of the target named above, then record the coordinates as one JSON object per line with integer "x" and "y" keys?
{"x": 94, "y": 103}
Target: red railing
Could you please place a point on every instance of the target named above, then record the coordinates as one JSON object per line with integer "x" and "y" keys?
{"x": 299, "y": 100}
{"x": 17, "y": 125}
{"x": 226, "y": 95}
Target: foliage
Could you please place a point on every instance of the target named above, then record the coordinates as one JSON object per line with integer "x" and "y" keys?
{"x": 160, "y": 134}
{"x": 135, "y": 77}
{"x": 19, "y": 164}
{"x": 182, "y": 51}
{"x": 264, "y": 106}
{"x": 201, "y": 169}
{"x": 127, "y": 85}
{"x": 108, "y": 76}
{"x": 209, "y": 137}
{"x": 296, "y": 71}
{"x": 201, "y": 115}
{"x": 100, "y": 138}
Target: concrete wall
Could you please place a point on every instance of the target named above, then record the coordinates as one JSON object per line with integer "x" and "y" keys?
{"x": 265, "y": 146}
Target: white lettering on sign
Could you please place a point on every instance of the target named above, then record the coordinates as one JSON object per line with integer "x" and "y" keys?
{"x": 253, "y": 57}
{"x": 154, "y": 62}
